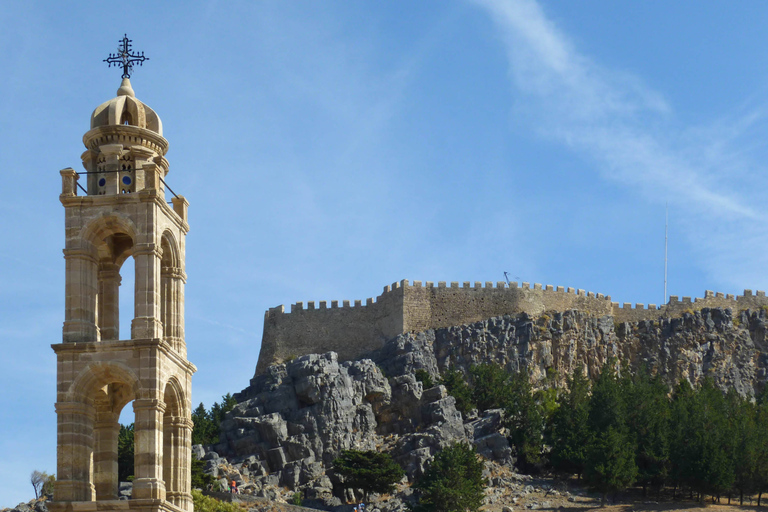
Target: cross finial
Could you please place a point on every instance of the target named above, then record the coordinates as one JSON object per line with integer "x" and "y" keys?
{"x": 125, "y": 58}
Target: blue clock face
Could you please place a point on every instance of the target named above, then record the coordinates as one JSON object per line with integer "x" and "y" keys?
{"x": 102, "y": 182}
{"x": 127, "y": 180}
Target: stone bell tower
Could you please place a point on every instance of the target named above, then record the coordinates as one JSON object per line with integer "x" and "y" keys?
{"x": 122, "y": 218}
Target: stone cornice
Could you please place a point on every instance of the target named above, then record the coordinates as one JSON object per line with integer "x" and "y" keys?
{"x": 84, "y": 347}
{"x": 127, "y": 136}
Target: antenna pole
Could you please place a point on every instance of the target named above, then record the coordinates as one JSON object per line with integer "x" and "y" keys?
{"x": 666, "y": 245}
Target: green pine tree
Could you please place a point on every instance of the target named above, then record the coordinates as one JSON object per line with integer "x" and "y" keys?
{"x": 610, "y": 464}
{"x": 457, "y": 387}
{"x": 370, "y": 471}
{"x": 648, "y": 417}
{"x": 525, "y": 421}
{"x": 569, "y": 433}
{"x": 453, "y": 482}
{"x": 125, "y": 451}
{"x": 490, "y": 388}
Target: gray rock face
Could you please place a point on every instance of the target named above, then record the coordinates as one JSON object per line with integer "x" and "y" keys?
{"x": 711, "y": 342}
{"x": 294, "y": 420}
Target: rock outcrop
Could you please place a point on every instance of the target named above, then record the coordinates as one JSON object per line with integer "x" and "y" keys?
{"x": 293, "y": 420}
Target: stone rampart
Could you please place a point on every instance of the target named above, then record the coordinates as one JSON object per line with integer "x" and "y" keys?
{"x": 353, "y": 329}
{"x": 349, "y": 330}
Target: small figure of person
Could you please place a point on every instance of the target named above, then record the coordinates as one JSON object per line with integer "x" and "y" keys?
{"x": 234, "y": 487}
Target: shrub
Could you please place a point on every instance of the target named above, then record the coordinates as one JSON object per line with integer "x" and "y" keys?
{"x": 457, "y": 387}
{"x": 453, "y": 482}
{"x": 370, "y": 471}
{"x": 204, "y": 503}
{"x": 424, "y": 377}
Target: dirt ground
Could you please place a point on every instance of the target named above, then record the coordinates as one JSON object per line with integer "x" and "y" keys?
{"x": 520, "y": 493}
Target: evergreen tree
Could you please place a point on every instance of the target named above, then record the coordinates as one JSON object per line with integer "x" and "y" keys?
{"x": 457, "y": 387}
{"x": 610, "y": 464}
{"x": 648, "y": 417}
{"x": 202, "y": 431}
{"x": 714, "y": 473}
{"x": 207, "y": 423}
{"x": 569, "y": 434}
{"x": 453, "y": 482}
{"x": 525, "y": 422}
{"x": 761, "y": 433}
{"x": 370, "y": 471}
{"x": 490, "y": 389}
{"x": 200, "y": 479}
{"x": 682, "y": 450}
{"x": 125, "y": 441}
{"x": 742, "y": 416}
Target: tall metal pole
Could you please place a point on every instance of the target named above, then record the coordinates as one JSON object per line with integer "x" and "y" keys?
{"x": 666, "y": 244}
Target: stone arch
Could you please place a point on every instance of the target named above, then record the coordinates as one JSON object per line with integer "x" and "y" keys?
{"x": 108, "y": 235}
{"x": 93, "y": 404}
{"x": 99, "y": 374}
{"x": 171, "y": 257}
{"x": 110, "y": 240}
{"x": 172, "y": 292}
{"x": 177, "y": 432}
{"x": 174, "y": 398}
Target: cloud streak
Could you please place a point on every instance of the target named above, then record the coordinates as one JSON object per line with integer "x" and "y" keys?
{"x": 628, "y": 130}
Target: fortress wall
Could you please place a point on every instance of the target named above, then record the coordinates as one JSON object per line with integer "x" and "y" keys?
{"x": 676, "y": 307}
{"x": 354, "y": 329}
{"x": 349, "y": 329}
{"x": 428, "y": 306}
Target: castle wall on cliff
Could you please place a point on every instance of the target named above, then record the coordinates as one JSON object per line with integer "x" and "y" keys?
{"x": 353, "y": 329}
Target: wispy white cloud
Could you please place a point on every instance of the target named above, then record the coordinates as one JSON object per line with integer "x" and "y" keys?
{"x": 629, "y": 131}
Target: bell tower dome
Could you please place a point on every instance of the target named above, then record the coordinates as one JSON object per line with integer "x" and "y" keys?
{"x": 121, "y": 217}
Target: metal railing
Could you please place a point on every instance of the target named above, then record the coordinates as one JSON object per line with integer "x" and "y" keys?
{"x": 121, "y": 170}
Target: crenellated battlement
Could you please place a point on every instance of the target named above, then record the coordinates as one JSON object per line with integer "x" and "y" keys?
{"x": 354, "y": 327}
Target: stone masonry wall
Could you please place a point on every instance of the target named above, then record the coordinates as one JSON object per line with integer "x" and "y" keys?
{"x": 352, "y": 330}
{"x": 349, "y": 329}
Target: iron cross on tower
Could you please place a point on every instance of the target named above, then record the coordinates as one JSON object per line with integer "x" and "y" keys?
{"x": 125, "y": 58}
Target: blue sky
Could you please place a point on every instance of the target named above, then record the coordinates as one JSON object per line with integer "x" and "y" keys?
{"x": 331, "y": 148}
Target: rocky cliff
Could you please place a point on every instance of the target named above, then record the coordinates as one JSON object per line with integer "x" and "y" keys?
{"x": 293, "y": 420}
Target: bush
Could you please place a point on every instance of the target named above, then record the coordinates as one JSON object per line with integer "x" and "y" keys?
{"x": 453, "y": 483}
{"x": 207, "y": 504}
{"x": 424, "y": 377}
{"x": 457, "y": 387}
{"x": 200, "y": 480}
{"x": 370, "y": 471}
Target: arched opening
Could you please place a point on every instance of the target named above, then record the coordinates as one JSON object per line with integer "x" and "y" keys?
{"x": 116, "y": 270}
{"x": 126, "y": 118}
{"x": 172, "y": 293}
{"x": 89, "y": 420}
{"x": 127, "y": 304}
{"x": 176, "y": 445}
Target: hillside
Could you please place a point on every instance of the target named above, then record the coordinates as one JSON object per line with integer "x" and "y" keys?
{"x": 292, "y": 421}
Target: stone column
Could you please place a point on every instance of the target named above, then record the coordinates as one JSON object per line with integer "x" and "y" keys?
{"x": 80, "y": 300}
{"x": 177, "y": 439}
{"x": 148, "y": 449}
{"x": 109, "y": 301}
{"x": 68, "y": 182}
{"x": 146, "y": 323}
{"x": 112, "y": 154}
{"x": 173, "y": 307}
{"x": 74, "y": 452}
{"x": 105, "y": 432}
